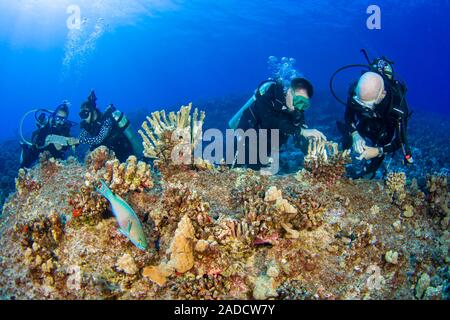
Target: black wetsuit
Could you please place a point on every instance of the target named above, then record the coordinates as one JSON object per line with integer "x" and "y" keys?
{"x": 269, "y": 111}
{"x": 385, "y": 127}
{"x": 106, "y": 132}
{"x": 31, "y": 153}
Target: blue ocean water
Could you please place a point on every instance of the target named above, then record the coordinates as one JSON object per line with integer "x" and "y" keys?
{"x": 162, "y": 53}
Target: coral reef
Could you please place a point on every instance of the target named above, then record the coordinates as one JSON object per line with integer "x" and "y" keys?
{"x": 222, "y": 233}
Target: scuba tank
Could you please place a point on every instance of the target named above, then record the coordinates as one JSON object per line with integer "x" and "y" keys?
{"x": 234, "y": 122}
{"x": 125, "y": 126}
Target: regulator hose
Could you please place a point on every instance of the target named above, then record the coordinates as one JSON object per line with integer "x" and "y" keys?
{"x": 340, "y": 70}
{"x": 21, "y": 125}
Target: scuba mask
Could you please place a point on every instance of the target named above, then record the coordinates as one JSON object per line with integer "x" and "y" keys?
{"x": 365, "y": 104}
{"x": 59, "y": 121}
{"x": 301, "y": 103}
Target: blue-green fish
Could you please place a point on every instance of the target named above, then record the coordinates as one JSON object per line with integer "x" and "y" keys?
{"x": 129, "y": 224}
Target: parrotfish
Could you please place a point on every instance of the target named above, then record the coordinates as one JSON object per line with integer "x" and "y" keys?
{"x": 129, "y": 224}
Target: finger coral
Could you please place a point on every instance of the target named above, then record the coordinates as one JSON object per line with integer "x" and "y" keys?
{"x": 122, "y": 177}
{"x": 171, "y": 139}
{"x": 395, "y": 183}
{"x": 324, "y": 161}
{"x": 96, "y": 160}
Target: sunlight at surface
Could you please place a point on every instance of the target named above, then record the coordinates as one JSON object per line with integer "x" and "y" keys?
{"x": 22, "y": 20}
{"x": 46, "y": 22}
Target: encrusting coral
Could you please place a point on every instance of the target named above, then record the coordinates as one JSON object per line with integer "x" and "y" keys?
{"x": 25, "y": 183}
{"x": 180, "y": 252}
{"x": 292, "y": 290}
{"x": 438, "y": 194}
{"x": 39, "y": 239}
{"x": 204, "y": 287}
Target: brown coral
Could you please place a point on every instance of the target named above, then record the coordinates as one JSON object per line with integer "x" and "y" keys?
{"x": 180, "y": 251}
{"x": 48, "y": 165}
{"x": 97, "y": 159}
{"x": 39, "y": 239}
{"x": 204, "y": 287}
{"x": 87, "y": 206}
{"x": 25, "y": 183}
{"x": 324, "y": 161}
{"x": 179, "y": 200}
{"x": 395, "y": 183}
{"x": 438, "y": 198}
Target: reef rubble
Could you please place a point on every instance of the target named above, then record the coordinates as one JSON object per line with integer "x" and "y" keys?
{"x": 221, "y": 233}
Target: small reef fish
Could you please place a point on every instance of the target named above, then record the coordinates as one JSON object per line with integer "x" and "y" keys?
{"x": 129, "y": 224}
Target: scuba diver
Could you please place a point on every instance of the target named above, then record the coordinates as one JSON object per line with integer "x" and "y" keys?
{"x": 110, "y": 128}
{"x": 53, "y": 135}
{"x": 376, "y": 117}
{"x": 273, "y": 107}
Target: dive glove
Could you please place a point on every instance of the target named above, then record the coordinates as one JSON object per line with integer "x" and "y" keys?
{"x": 359, "y": 143}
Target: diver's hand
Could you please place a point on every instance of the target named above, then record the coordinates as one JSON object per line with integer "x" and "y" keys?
{"x": 359, "y": 144}
{"x": 73, "y": 141}
{"x": 314, "y": 134}
{"x": 369, "y": 153}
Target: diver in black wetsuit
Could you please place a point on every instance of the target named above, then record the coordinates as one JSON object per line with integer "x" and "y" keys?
{"x": 274, "y": 108}
{"x": 376, "y": 119}
{"x": 54, "y": 125}
{"x": 110, "y": 128}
